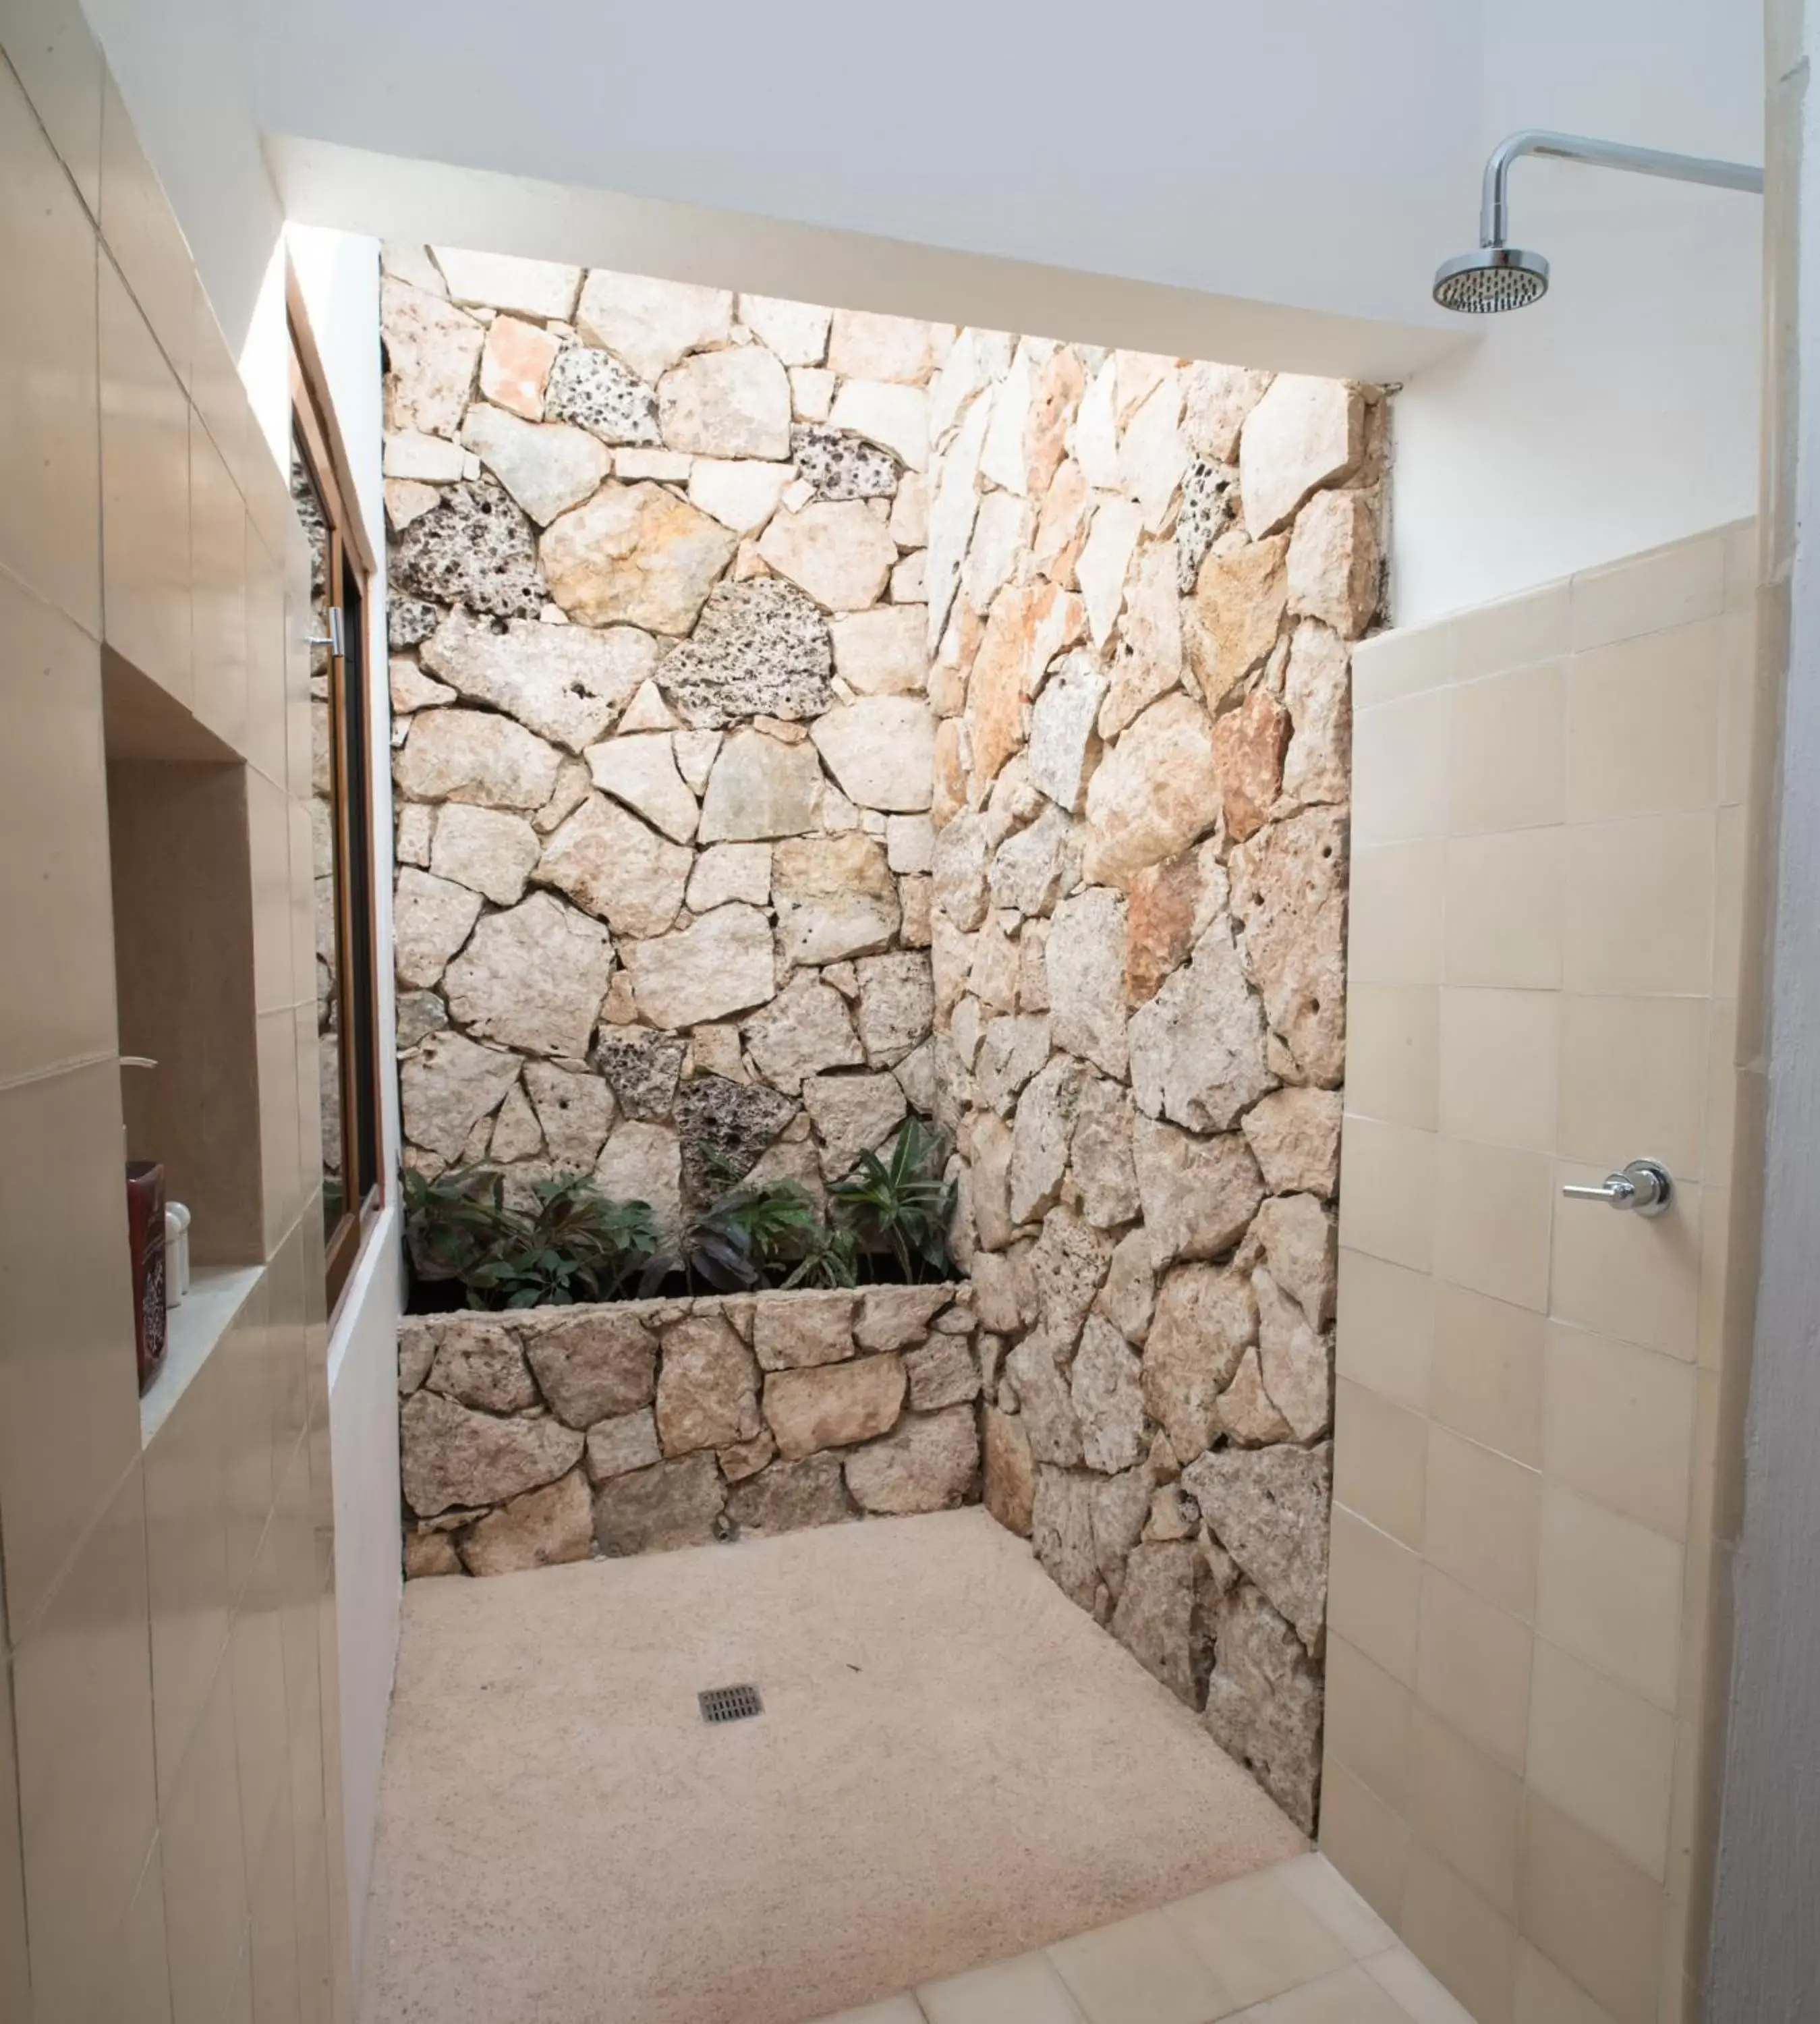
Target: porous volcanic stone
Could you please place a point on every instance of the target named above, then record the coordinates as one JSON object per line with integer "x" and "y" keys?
{"x": 760, "y": 649}
{"x": 474, "y": 547}
{"x": 594, "y": 390}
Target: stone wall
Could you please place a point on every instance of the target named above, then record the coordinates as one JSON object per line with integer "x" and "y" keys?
{"x": 664, "y": 753}
{"x": 548, "y": 1434}
{"x": 1143, "y": 580}
{"x": 774, "y": 682}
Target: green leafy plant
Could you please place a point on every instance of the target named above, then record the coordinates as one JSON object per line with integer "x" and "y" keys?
{"x": 571, "y": 1243}
{"x": 902, "y": 1203}
{"x": 744, "y": 1235}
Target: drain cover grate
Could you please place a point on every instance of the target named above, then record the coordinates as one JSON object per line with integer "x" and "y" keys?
{"x": 737, "y": 1704}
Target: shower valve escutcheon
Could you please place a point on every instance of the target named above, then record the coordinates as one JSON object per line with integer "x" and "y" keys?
{"x": 1644, "y": 1185}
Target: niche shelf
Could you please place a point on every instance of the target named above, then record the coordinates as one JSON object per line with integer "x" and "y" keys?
{"x": 182, "y": 872}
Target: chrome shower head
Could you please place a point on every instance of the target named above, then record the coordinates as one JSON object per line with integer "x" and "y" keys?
{"x": 1499, "y": 276}
{"x": 1494, "y": 279}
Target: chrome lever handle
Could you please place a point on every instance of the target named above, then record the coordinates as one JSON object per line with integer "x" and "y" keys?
{"x": 1644, "y": 1185}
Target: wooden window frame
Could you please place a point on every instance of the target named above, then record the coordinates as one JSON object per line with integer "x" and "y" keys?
{"x": 351, "y": 565}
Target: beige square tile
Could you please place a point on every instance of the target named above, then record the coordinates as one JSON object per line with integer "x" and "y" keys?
{"x": 205, "y": 1890}
{"x": 1385, "y": 1334}
{"x": 1391, "y": 1053}
{"x": 1413, "y": 1990}
{"x": 1483, "y": 1512}
{"x": 217, "y": 590}
{"x": 268, "y": 855}
{"x": 1339, "y": 1908}
{"x": 1669, "y": 586}
{"x": 273, "y": 1905}
{"x": 1487, "y": 1371}
{"x": 55, "y": 895}
{"x": 1027, "y": 1990}
{"x": 1594, "y": 1915}
{"x": 248, "y": 1420}
{"x": 1373, "y": 1587}
{"x": 1368, "y": 1721}
{"x": 1512, "y": 632}
{"x": 1468, "y": 1809}
{"x": 894, "y": 2010}
{"x": 1730, "y": 900}
{"x": 1256, "y": 1938}
{"x": 48, "y": 372}
{"x": 1467, "y": 1944}
{"x": 316, "y": 1942}
{"x": 1609, "y": 1591}
{"x": 279, "y": 1153}
{"x": 1618, "y": 1426}
{"x": 1545, "y": 1996}
{"x": 1394, "y": 908}
{"x": 1492, "y": 1212}
{"x": 138, "y": 1977}
{"x": 58, "y": 61}
{"x": 1498, "y": 1066}
{"x": 1643, "y": 725}
{"x": 69, "y": 1418}
{"x": 1473, "y": 1668}
{"x": 265, "y": 702}
{"x": 1390, "y": 665}
{"x": 218, "y": 391}
{"x": 1632, "y": 1276}
{"x": 87, "y": 1796}
{"x": 1719, "y": 1124}
{"x": 1387, "y": 1192}
{"x": 1379, "y": 1461}
{"x": 143, "y": 235}
{"x": 1742, "y": 568}
{"x": 1349, "y": 1998}
{"x": 1503, "y": 899}
{"x": 257, "y": 1650}
{"x": 186, "y": 1552}
{"x": 309, "y": 1101}
{"x": 1633, "y": 1079}
{"x": 144, "y": 496}
{"x": 1400, "y": 769}
{"x": 15, "y": 1968}
{"x": 1602, "y": 1754}
{"x": 301, "y": 885}
{"x": 1141, "y": 1971}
{"x": 1367, "y": 1842}
{"x": 1508, "y": 766}
{"x": 1638, "y": 905}
{"x": 1737, "y": 705}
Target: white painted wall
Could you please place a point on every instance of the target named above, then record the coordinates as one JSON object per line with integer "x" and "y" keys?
{"x": 363, "y": 1425}
{"x": 337, "y": 276}
{"x": 1622, "y": 411}
{"x": 1295, "y": 153}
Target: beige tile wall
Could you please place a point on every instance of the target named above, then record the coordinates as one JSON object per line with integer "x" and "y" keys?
{"x": 170, "y": 1846}
{"x": 1544, "y": 968}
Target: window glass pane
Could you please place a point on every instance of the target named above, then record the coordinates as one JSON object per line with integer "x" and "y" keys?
{"x": 325, "y": 834}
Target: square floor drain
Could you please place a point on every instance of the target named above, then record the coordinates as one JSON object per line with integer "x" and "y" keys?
{"x": 737, "y": 1704}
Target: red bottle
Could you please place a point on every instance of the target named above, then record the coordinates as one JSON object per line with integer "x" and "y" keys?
{"x": 146, "y": 1236}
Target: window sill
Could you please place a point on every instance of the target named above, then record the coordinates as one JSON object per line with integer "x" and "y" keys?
{"x": 216, "y": 1294}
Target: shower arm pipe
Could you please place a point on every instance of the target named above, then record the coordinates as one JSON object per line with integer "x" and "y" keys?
{"x": 1494, "y": 212}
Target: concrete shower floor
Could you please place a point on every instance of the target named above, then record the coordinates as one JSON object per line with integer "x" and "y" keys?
{"x": 953, "y": 1766}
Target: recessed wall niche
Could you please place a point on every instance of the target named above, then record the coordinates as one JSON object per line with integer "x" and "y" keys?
{"x": 183, "y": 954}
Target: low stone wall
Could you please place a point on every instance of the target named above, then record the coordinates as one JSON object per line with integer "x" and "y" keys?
{"x": 552, "y": 1434}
